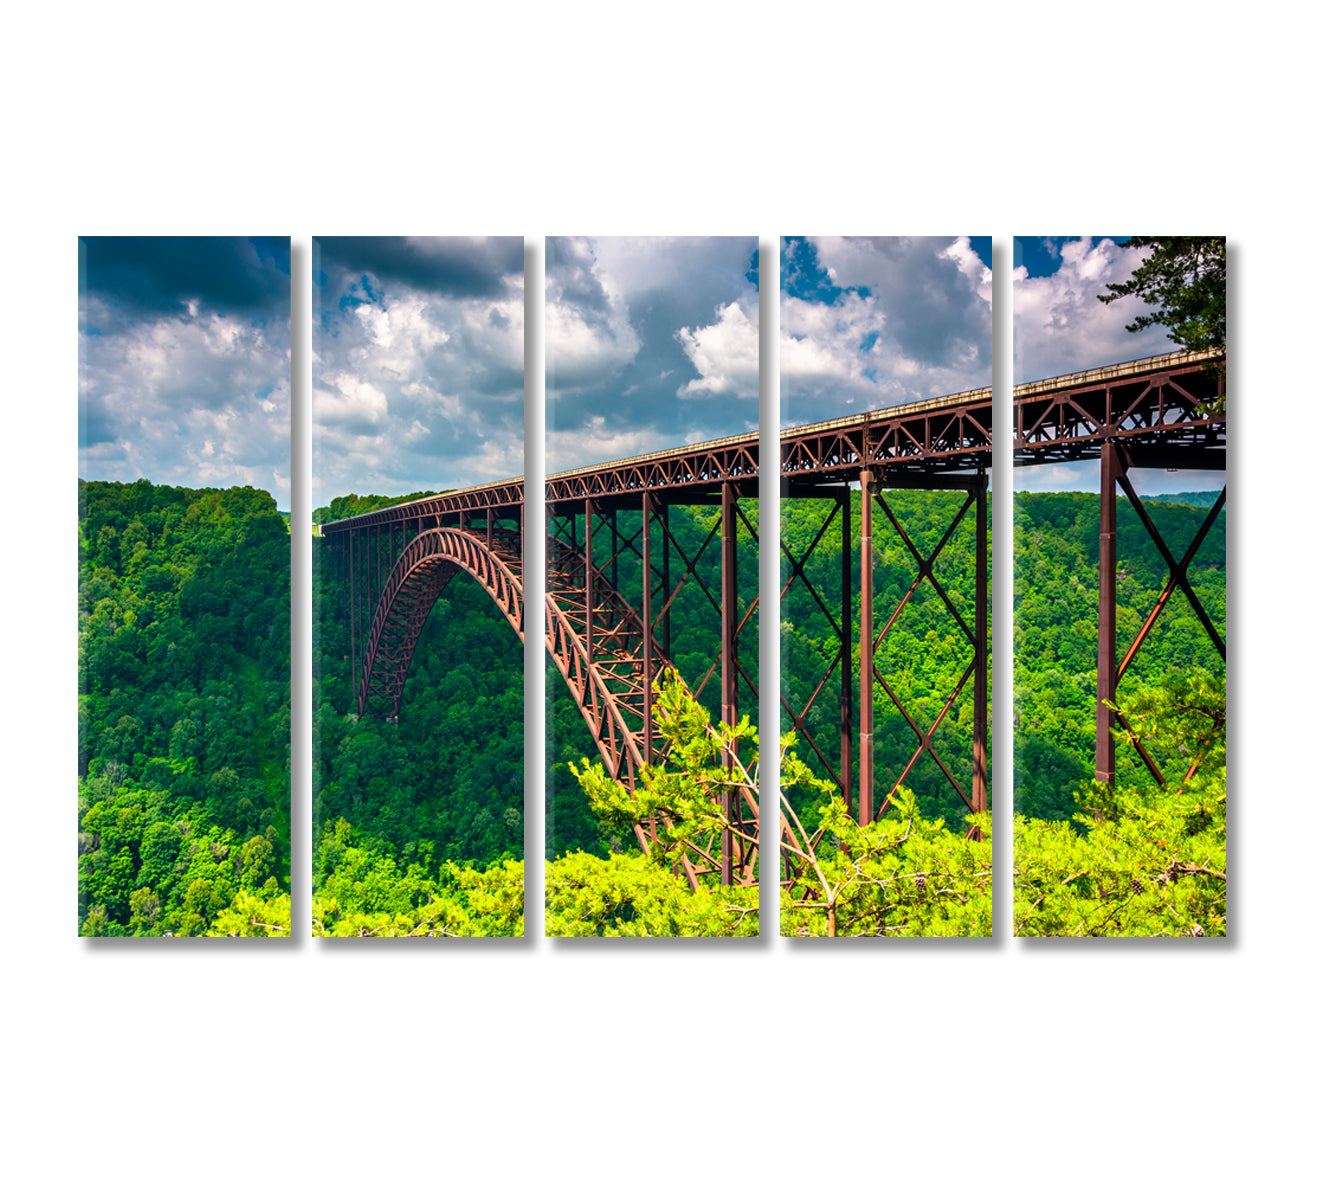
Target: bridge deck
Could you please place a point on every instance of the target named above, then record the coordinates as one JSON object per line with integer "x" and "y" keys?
{"x": 1063, "y": 418}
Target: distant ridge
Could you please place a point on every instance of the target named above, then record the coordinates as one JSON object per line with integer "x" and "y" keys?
{"x": 1197, "y": 499}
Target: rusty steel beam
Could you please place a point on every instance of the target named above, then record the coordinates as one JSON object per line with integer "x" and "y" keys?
{"x": 866, "y": 760}
{"x": 646, "y": 601}
{"x": 1104, "y": 756}
{"x": 729, "y": 704}
{"x": 845, "y": 655}
{"x": 1165, "y": 405}
{"x": 981, "y": 631}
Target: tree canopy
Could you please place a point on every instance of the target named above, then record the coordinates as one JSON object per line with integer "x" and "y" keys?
{"x": 1185, "y": 279}
{"x": 184, "y": 700}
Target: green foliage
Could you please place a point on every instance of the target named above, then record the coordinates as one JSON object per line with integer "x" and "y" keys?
{"x": 636, "y": 895}
{"x": 1186, "y": 278}
{"x": 694, "y": 636}
{"x": 365, "y": 892}
{"x": 444, "y": 782}
{"x": 342, "y": 507}
{"x": 631, "y": 895}
{"x": 902, "y": 876}
{"x": 267, "y": 914}
{"x": 905, "y": 876}
{"x": 184, "y": 669}
{"x": 1142, "y": 861}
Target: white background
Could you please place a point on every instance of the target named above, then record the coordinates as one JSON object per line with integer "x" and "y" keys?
{"x": 621, "y": 1070}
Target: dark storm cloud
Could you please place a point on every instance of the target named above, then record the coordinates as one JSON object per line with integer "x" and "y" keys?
{"x": 184, "y": 361}
{"x": 150, "y": 276}
{"x": 457, "y": 267}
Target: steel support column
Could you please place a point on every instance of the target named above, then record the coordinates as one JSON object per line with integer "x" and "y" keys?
{"x": 845, "y": 680}
{"x": 588, "y": 573}
{"x": 866, "y": 780}
{"x": 1104, "y": 762}
{"x": 730, "y": 706}
{"x": 351, "y": 613}
{"x": 646, "y": 615}
{"x": 981, "y": 629}
{"x": 666, "y": 637}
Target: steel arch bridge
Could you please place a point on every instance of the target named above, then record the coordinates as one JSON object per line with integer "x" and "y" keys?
{"x": 616, "y": 567}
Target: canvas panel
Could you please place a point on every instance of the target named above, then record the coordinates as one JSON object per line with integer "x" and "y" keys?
{"x": 884, "y": 563}
{"x": 1120, "y": 558}
{"x": 184, "y": 586}
{"x": 417, "y": 490}
{"x": 652, "y": 574}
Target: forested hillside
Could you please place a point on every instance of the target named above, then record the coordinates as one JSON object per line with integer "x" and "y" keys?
{"x": 184, "y": 706}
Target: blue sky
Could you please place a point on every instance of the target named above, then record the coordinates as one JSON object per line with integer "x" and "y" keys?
{"x": 868, "y": 323}
{"x": 184, "y": 361}
{"x": 651, "y": 343}
{"x": 418, "y": 364}
{"x": 1060, "y": 326}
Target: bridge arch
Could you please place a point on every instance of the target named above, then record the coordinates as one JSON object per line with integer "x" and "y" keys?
{"x": 594, "y": 636}
{"x": 427, "y": 564}
{"x": 604, "y": 680}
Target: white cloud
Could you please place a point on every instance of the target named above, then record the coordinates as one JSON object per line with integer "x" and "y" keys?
{"x": 417, "y": 389}
{"x": 1061, "y": 326}
{"x": 348, "y": 400}
{"x": 194, "y": 399}
{"x": 648, "y": 341}
{"x": 588, "y": 332}
{"x": 590, "y": 445}
{"x": 726, "y": 354}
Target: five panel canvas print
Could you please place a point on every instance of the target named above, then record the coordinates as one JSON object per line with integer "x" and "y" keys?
{"x": 651, "y": 566}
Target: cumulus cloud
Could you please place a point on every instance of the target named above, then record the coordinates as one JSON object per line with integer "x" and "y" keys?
{"x": 726, "y": 354}
{"x": 1060, "y": 326}
{"x": 869, "y": 323}
{"x": 418, "y": 363}
{"x": 184, "y": 361}
{"x": 651, "y": 343}
{"x": 589, "y": 337}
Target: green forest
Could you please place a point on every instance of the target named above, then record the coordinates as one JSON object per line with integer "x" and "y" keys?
{"x": 183, "y": 740}
{"x": 184, "y": 711}
{"x": 406, "y": 869}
